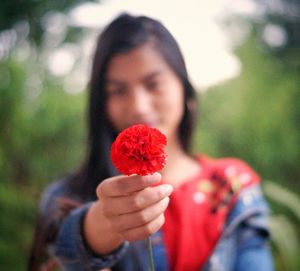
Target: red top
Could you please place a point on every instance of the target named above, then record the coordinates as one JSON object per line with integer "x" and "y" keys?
{"x": 198, "y": 210}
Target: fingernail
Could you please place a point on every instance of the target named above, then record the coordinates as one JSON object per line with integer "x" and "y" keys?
{"x": 155, "y": 177}
{"x": 168, "y": 189}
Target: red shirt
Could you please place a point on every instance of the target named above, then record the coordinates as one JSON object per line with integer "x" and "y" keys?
{"x": 198, "y": 210}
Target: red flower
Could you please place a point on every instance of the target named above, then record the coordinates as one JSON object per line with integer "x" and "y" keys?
{"x": 139, "y": 149}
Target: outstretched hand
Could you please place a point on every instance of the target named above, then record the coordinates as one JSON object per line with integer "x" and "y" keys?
{"x": 128, "y": 208}
{"x": 133, "y": 205}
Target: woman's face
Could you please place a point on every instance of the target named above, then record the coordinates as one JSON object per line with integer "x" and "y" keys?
{"x": 142, "y": 89}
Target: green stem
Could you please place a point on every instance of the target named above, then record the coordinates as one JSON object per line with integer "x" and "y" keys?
{"x": 150, "y": 255}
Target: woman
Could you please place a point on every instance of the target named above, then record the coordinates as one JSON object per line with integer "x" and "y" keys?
{"x": 201, "y": 214}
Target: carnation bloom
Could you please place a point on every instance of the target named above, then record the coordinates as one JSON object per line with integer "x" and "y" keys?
{"x": 139, "y": 149}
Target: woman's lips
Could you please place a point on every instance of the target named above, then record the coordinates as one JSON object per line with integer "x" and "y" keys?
{"x": 150, "y": 123}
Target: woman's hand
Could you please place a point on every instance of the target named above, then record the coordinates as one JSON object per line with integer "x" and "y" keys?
{"x": 129, "y": 208}
{"x": 134, "y": 207}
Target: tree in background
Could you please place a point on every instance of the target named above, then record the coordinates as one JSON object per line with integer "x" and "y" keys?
{"x": 278, "y": 30}
{"x": 38, "y": 116}
{"x": 27, "y": 17}
{"x": 42, "y": 125}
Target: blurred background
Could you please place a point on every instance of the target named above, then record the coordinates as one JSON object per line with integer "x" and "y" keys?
{"x": 243, "y": 57}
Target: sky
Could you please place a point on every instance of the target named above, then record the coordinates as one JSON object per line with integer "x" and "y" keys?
{"x": 205, "y": 45}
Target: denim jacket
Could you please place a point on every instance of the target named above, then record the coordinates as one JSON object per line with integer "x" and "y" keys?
{"x": 243, "y": 245}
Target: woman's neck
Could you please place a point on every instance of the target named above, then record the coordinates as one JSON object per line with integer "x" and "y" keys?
{"x": 180, "y": 165}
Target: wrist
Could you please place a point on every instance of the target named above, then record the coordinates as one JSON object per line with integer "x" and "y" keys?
{"x": 98, "y": 232}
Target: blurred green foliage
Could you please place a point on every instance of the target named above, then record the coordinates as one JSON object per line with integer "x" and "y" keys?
{"x": 256, "y": 117}
{"x": 40, "y": 132}
{"x": 18, "y": 211}
{"x": 41, "y": 137}
{"x": 31, "y": 13}
{"x": 284, "y": 225}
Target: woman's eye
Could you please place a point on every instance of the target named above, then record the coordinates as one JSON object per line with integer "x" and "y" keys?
{"x": 116, "y": 92}
{"x": 152, "y": 85}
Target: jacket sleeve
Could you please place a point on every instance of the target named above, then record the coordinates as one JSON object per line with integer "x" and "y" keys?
{"x": 72, "y": 251}
{"x": 69, "y": 247}
{"x": 244, "y": 245}
{"x": 252, "y": 232}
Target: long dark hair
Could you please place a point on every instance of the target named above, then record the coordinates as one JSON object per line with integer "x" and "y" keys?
{"x": 123, "y": 34}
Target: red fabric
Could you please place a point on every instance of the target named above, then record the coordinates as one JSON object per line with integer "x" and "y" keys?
{"x": 198, "y": 210}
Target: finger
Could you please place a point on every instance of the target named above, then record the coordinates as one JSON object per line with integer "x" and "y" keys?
{"x": 136, "y": 201}
{"x": 133, "y": 220}
{"x": 123, "y": 185}
{"x": 144, "y": 231}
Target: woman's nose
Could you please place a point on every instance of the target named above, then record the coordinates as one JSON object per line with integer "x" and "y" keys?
{"x": 140, "y": 101}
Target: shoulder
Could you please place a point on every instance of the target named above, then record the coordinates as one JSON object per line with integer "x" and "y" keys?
{"x": 251, "y": 208}
{"x": 57, "y": 188}
{"x": 227, "y": 180}
{"x": 233, "y": 170}
{"x": 246, "y": 227}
